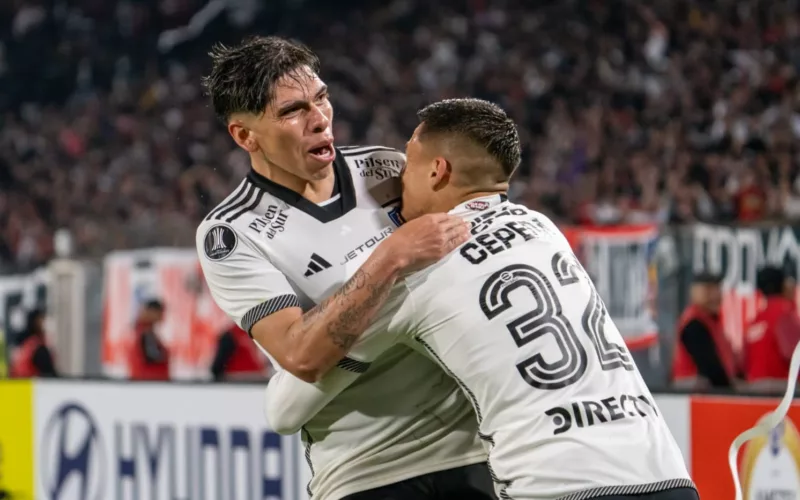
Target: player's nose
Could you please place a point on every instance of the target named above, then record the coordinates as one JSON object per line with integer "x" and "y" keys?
{"x": 318, "y": 121}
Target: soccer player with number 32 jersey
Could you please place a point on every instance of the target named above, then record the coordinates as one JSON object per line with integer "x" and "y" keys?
{"x": 514, "y": 319}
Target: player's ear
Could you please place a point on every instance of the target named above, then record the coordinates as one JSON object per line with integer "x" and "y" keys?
{"x": 440, "y": 173}
{"x": 243, "y": 136}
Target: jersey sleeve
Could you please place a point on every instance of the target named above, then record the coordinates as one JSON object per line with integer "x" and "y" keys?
{"x": 290, "y": 403}
{"x": 243, "y": 282}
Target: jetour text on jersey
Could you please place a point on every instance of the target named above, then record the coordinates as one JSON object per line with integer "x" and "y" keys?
{"x": 371, "y": 242}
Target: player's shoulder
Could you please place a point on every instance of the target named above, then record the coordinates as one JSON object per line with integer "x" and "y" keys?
{"x": 376, "y": 170}
{"x": 531, "y": 225}
{"x": 216, "y": 240}
{"x": 373, "y": 158}
{"x": 531, "y": 213}
{"x": 220, "y": 232}
{"x": 526, "y": 212}
{"x": 544, "y": 223}
{"x": 241, "y": 200}
{"x": 373, "y": 150}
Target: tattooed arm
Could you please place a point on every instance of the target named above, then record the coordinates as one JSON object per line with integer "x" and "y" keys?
{"x": 308, "y": 345}
{"x": 316, "y": 341}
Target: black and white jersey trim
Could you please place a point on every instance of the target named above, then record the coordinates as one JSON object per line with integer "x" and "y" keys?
{"x": 248, "y": 208}
{"x": 344, "y": 183}
{"x": 364, "y": 150}
{"x": 232, "y": 200}
{"x": 631, "y": 489}
{"x": 247, "y": 197}
{"x": 251, "y": 191}
{"x": 353, "y": 365}
{"x": 266, "y": 308}
{"x": 309, "y": 441}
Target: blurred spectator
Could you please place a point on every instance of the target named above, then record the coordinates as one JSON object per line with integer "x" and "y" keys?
{"x": 772, "y": 335}
{"x": 703, "y": 356}
{"x": 32, "y": 357}
{"x": 237, "y": 357}
{"x": 630, "y": 111}
{"x": 149, "y": 358}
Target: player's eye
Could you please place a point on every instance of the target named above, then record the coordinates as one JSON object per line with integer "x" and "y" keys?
{"x": 289, "y": 111}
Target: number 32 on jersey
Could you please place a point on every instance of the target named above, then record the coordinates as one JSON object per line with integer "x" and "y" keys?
{"x": 547, "y": 318}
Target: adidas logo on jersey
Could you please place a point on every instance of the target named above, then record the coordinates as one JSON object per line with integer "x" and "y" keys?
{"x": 316, "y": 264}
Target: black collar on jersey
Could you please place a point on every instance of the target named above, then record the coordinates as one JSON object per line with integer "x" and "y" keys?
{"x": 344, "y": 180}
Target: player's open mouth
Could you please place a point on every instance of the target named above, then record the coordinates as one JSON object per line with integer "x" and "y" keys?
{"x": 324, "y": 153}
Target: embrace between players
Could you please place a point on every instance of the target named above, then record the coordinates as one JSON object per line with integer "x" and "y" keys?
{"x": 432, "y": 340}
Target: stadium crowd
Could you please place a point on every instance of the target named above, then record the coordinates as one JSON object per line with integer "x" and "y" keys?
{"x": 630, "y": 111}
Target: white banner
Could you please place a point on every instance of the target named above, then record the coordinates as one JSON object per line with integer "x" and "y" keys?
{"x": 103, "y": 441}
{"x": 192, "y": 320}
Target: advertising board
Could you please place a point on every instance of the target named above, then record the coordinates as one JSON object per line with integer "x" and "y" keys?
{"x": 16, "y": 439}
{"x": 149, "y": 441}
{"x": 769, "y": 466}
{"x": 104, "y": 441}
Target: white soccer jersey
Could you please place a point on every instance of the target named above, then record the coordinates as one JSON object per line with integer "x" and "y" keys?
{"x": 266, "y": 248}
{"x": 514, "y": 318}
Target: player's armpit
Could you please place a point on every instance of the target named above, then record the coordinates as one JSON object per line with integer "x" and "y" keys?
{"x": 290, "y": 402}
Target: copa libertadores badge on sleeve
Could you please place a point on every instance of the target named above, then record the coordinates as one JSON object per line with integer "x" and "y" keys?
{"x": 220, "y": 241}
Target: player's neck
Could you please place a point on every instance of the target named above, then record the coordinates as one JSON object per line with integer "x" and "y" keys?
{"x": 316, "y": 191}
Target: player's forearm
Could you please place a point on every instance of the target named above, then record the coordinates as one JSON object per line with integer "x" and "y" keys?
{"x": 324, "y": 334}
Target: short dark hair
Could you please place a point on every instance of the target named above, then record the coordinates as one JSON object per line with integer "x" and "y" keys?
{"x": 155, "y": 305}
{"x": 32, "y": 317}
{"x": 707, "y": 278}
{"x": 243, "y": 77}
{"x": 770, "y": 280}
{"x": 481, "y": 122}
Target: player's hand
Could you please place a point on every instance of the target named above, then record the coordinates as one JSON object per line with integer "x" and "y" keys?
{"x": 426, "y": 240}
